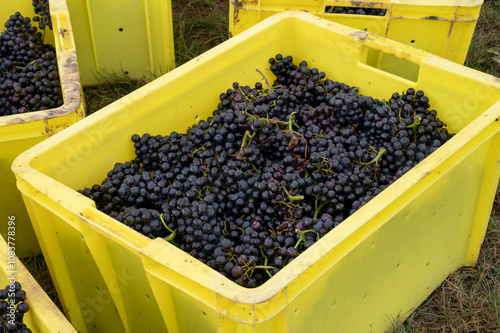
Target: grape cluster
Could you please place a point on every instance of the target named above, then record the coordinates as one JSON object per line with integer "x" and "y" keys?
{"x": 29, "y": 77}
{"x": 13, "y": 308}
{"x": 271, "y": 172}
{"x": 356, "y": 10}
{"x": 43, "y": 14}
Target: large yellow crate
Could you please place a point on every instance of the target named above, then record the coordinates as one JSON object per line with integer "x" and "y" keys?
{"x": 23, "y": 131}
{"x": 442, "y": 27}
{"x": 43, "y": 315}
{"x": 381, "y": 262}
{"x": 116, "y": 37}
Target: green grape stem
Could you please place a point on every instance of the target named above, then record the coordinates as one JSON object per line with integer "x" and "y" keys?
{"x": 263, "y": 267}
{"x": 416, "y": 122}
{"x": 302, "y": 235}
{"x": 247, "y": 138}
{"x": 197, "y": 149}
{"x": 290, "y": 122}
{"x": 379, "y": 155}
{"x": 317, "y": 210}
{"x": 295, "y": 197}
{"x": 171, "y": 237}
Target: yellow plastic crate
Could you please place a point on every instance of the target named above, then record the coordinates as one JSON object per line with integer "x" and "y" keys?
{"x": 381, "y": 262}
{"x": 43, "y": 315}
{"x": 122, "y": 37}
{"x": 442, "y": 27}
{"x": 23, "y": 131}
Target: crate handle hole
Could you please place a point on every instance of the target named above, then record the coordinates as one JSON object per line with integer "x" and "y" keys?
{"x": 391, "y": 64}
{"x": 365, "y": 11}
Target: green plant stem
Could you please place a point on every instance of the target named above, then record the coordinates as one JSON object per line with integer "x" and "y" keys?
{"x": 169, "y": 238}
{"x": 416, "y": 122}
{"x": 290, "y": 122}
{"x": 247, "y": 138}
{"x": 295, "y": 197}
{"x": 302, "y": 236}
{"x": 197, "y": 149}
{"x": 317, "y": 209}
{"x": 263, "y": 267}
{"x": 380, "y": 153}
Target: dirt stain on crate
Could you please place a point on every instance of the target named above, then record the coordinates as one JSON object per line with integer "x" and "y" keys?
{"x": 361, "y": 35}
{"x": 364, "y": 4}
{"x": 236, "y": 10}
{"x": 237, "y": 4}
{"x": 425, "y": 174}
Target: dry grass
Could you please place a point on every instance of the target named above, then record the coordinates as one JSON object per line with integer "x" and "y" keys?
{"x": 112, "y": 88}
{"x": 199, "y": 25}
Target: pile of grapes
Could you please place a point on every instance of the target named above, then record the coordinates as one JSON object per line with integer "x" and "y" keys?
{"x": 355, "y": 10}
{"x": 12, "y": 309}
{"x": 29, "y": 77}
{"x": 273, "y": 171}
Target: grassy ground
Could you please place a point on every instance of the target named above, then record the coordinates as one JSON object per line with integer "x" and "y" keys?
{"x": 199, "y": 25}
{"x": 484, "y": 52}
{"x": 112, "y": 88}
{"x": 469, "y": 300}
